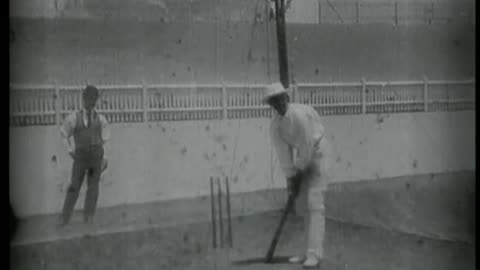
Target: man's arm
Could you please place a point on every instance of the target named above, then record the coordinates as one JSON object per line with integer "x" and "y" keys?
{"x": 66, "y": 131}
{"x": 285, "y": 157}
{"x": 284, "y": 152}
{"x": 307, "y": 130}
{"x": 106, "y": 141}
{"x": 105, "y": 136}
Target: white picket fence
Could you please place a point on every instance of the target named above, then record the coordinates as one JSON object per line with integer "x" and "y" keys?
{"x": 32, "y": 105}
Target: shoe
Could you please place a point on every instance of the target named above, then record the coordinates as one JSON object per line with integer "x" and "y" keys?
{"x": 88, "y": 220}
{"x": 296, "y": 259}
{"x": 311, "y": 261}
{"x": 61, "y": 222}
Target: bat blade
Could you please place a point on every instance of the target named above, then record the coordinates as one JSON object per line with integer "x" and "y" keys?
{"x": 274, "y": 260}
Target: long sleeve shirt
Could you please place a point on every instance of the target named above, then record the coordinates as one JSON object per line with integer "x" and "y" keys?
{"x": 299, "y": 129}
{"x": 68, "y": 126}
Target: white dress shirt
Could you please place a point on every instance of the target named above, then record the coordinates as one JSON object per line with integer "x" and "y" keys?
{"x": 299, "y": 129}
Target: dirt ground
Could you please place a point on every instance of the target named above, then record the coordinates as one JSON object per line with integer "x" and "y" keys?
{"x": 188, "y": 247}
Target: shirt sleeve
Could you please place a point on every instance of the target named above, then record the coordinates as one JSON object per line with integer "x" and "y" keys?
{"x": 105, "y": 136}
{"x": 304, "y": 154}
{"x": 105, "y": 128}
{"x": 284, "y": 152}
{"x": 305, "y": 147}
{"x": 66, "y": 130}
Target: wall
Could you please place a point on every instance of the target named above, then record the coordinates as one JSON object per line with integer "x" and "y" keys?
{"x": 33, "y": 8}
{"x": 439, "y": 206}
{"x": 163, "y": 161}
{"x": 127, "y": 51}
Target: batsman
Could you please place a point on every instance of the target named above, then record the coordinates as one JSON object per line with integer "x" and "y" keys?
{"x": 305, "y": 155}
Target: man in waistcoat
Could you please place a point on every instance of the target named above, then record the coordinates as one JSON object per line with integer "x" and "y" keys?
{"x": 90, "y": 133}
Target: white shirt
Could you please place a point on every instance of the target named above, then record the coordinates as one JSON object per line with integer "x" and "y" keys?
{"x": 68, "y": 126}
{"x": 299, "y": 129}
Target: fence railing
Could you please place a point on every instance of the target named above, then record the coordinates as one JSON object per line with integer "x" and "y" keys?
{"x": 32, "y": 105}
{"x": 396, "y": 12}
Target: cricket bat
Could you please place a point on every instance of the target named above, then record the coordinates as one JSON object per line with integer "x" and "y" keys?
{"x": 288, "y": 208}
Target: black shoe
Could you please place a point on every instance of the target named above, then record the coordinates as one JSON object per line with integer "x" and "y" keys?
{"x": 62, "y": 222}
{"x": 88, "y": 220}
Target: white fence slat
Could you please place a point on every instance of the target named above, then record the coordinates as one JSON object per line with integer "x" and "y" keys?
{"x": 38, "y": 106}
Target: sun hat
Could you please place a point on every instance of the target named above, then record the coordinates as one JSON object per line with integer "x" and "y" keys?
{"x": 273, "y": 90}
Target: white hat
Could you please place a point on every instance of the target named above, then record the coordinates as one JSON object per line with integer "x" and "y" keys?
{"x": 272, "y": 90}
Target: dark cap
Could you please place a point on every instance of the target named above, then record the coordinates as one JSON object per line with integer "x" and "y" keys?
{"x": 91, "y": 90}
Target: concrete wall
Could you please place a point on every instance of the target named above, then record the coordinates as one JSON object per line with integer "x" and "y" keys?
{"x": 33, "y": 8}
{"x": 163, "y": 161}
{"x": 127, "y": 51}
{"x": 439, "y": 206}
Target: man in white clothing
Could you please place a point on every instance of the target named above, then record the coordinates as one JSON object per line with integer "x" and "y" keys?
{"x": 297, "y": 129}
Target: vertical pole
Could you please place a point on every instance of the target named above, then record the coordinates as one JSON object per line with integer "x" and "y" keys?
{"x": 357, "y": 8}
{"x": 364, "y": 105}
{"x": 220, "y": 215}
{"x": 431, "y": 13}
{"x": 267, "y": 16}
{"x": 282, "y": 42}
{"x": 396, "y": 13}
{"x": 212, "y": 202}
{"x": 145, "y": 101}
{"x": 319, "y": 11}
{"x": 425, "y": 93}
{"x": 229, "y": 215}
{"x": 215, "y": 44}
{"x": 224, "y": 101}
{"x": 472, "y": 19}
{"x": 57, "y": 104}
{"x": 294, "y": 92}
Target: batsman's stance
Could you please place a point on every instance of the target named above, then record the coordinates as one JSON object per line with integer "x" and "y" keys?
{"x": 297, "y": 127}
{"x": 90, "y": 135}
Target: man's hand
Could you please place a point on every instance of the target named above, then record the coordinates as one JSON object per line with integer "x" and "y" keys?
{"x": 104, "y": 164}
{"x": 293, "y": 184}
{"x": 71, "y": 152}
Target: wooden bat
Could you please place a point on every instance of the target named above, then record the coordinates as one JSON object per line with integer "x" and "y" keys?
{"x": 288, "y": 208}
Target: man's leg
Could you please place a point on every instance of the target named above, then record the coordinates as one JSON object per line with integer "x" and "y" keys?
{"x": 318, "y": 183}
{"x": 78, "y": 172}
{"x": 315, "y": 225}
{"x": 301, "y": 209}
{"x": 91, "y": 198}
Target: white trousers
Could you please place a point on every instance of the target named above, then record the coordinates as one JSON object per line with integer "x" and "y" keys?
{"x": 310, "y": 202}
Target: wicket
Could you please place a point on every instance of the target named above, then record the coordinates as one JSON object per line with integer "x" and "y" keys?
{"x": 218, "y": 199}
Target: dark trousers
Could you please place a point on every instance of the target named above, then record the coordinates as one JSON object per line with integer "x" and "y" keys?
{"x": 84, "y": 163}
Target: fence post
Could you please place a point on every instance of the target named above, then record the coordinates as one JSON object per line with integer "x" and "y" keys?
{"x": 431, "y": 13}
{"x": 472, "y": 19}
{"x": 425, "y": 93}
{"x": 319, "y": 11}
{"x": 145, "y": 101}
{"x": 396, "y": 13}
{"x": 57, "y": 104}
{"x": 224, "y": 101}
{"x": 357, "y": 11}
{"x": 294, "y": 92}
{"x": 364, "y": 100}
